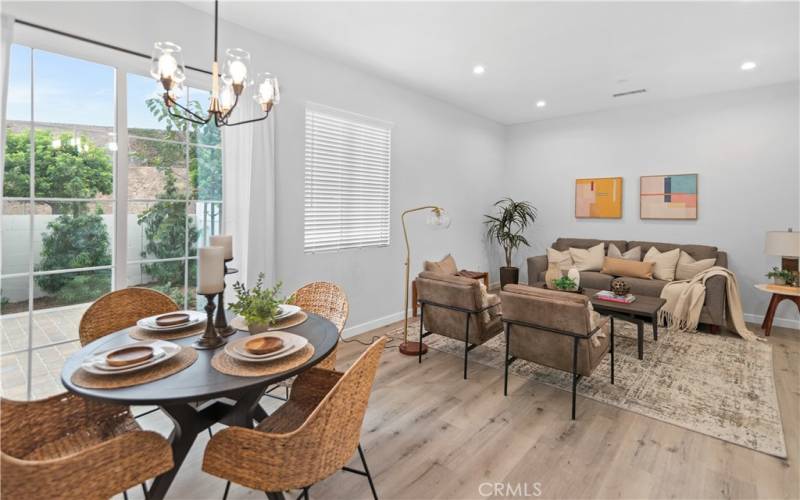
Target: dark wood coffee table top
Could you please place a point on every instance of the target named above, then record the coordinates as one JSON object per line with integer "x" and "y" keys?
{"x": 644, "y": 305}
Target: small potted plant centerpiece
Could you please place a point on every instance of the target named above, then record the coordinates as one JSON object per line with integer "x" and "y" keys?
{"x": 566, "y": 284}
{"x": 506, "y": 228}
{"x": 258, "y": 306}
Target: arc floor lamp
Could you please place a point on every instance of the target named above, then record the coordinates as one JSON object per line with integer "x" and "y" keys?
{"x": 438, "y": 219}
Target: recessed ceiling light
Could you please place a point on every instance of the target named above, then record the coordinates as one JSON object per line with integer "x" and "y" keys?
{"x": 479, "y": 70}
{"x": 748, "y": 66}
{"x": 541, "y": 104}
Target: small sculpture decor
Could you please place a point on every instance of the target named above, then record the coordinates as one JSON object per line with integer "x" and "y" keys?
{"x": 619, "y": 287}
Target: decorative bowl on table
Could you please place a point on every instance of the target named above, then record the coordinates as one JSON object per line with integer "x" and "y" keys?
{"x": 172, "y": 322}
{"x": 620, "y": 287}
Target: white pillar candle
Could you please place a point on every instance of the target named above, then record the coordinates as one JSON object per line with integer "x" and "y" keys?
{"x": 225, "y": 241}
{"x": 211, "y": 275}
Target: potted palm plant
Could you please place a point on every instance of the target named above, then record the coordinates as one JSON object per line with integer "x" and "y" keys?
{"x": 506, "y": 228}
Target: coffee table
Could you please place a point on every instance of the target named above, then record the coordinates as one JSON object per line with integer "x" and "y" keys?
{"x": 644, "y": 308}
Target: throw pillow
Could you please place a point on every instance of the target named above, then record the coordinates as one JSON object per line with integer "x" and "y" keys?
{"x": 688, "y": 268}
{"x": 489, "y": 299}
{"x": 630, "y": 268}
{"x": 634, "y": 253}
{"x": 588, "y": 260}
{"x": 664, "y": 264}
{"x": 562, "y": 259}
{"x": 445, "y": 266}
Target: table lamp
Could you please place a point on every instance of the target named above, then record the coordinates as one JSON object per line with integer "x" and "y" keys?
{"x": 786, "y": 244}
{"x": 438, "y": 219}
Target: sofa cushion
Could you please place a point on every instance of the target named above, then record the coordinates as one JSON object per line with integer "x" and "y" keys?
{"x": 590, "y": 259}
{"x": 597, "y": 280}
{"x": 562, "y": 244}
{"x": 688, "y": 268}
{"x": 664, "y": 263}
{"x": 632, "y": 268}
{"x": 649, "y": 288}
{"x": 696, "y": 251}
{"x": 445, "y": 266}
{"x": 563, "y": 259}
{"x": 634, "y": 253}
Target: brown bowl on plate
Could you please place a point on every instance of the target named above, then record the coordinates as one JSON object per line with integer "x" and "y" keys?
{"x": 127, "y": 356}
{"x": 172, "y": 319}
{"x": 263, "y": 345}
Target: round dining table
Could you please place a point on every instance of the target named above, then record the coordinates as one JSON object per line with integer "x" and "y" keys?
{"x": 191, "y": 397}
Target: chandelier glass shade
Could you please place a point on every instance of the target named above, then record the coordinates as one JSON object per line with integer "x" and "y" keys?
{"x": 167, "y": 67}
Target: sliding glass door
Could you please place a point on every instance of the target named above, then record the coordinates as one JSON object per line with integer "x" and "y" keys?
{"x": 69, "y": 232}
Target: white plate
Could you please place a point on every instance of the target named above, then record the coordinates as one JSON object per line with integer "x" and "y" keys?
{"x": 287, "y": 310}
{"x": 236, "y": 349}
{"x": 96, "y": 364}
{"x": 149, "y": 323}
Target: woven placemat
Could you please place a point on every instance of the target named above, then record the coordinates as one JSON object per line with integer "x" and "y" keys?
{"x": 139, "y": 333}
{"x": 230, "y": 366}
{"x": 293, "y": 320}
{"x": 183, "y": 359}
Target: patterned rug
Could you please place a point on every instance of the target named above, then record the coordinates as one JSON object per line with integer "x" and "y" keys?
{"x": 718, "y": 385}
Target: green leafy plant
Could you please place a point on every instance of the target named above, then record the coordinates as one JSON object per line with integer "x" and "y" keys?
{"x": 782, "y": 274}
{"x": 257, "y": 305}
{"x": 565, "y": 283}
{"x": 508, "y": 225}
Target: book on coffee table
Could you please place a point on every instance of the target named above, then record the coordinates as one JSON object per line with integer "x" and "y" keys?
{"x": 611, "y": 297}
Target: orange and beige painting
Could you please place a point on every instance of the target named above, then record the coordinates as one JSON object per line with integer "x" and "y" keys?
{"x": 599, "y": 198}
{"x": 668, "y": 197}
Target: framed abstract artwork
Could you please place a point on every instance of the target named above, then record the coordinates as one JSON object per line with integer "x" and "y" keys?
{"x": 598, "y": 198}
{"x": 668, "y": 197}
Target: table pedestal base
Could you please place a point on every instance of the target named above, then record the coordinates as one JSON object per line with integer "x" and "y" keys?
{"x": 776, "y": 299}
{"x": 189, "y": 422}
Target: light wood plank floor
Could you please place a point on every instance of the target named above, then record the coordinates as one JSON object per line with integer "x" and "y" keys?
{"x": 430, "y": 434}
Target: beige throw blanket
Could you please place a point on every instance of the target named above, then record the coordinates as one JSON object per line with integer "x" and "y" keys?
{"x": 685, "y": 300}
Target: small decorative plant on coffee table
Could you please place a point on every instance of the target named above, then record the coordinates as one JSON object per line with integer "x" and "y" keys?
{"x": 565, "y": 284}
{"x": 259, "y": 306}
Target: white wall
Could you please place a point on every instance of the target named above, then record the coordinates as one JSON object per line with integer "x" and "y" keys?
{"x": 743, "y": 145}
{"x": 440, "y": 154}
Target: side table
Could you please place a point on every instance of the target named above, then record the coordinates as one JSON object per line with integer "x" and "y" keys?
{"x": 476, "y": 275}
{"x": 779, "y": 294}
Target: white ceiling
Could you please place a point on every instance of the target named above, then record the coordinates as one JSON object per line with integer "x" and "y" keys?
{"x": 573, "y": 55}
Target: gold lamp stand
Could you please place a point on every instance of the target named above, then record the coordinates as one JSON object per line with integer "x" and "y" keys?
{"x": 438, "y": 218}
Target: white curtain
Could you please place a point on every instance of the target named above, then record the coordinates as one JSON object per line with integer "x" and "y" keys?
{"x": 7, "y": 35}
{"x": 249, "y": 194}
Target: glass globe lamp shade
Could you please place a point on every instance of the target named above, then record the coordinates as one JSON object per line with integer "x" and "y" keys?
{"x": 166, "y": 64}
{"x": 267, "y": 92}
{"x": 438, "y": 219}
{"x": 237, "y": 62}
{"x": 226, "y": 98}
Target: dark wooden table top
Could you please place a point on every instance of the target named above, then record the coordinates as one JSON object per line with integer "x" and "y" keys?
{"x": 644, "y": 305}
{"x": 200, "y": 381}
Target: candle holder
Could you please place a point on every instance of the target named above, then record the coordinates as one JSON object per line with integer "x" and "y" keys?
{"x": 210, "y": 338}
{"x": 221, "y": 321}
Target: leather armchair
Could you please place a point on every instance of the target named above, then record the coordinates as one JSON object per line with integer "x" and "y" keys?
{"x": 555, "y": 329}
{"x": 455, "y": 307}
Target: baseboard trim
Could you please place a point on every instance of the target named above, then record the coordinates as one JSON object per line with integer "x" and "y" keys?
{"x": 783, "y": 322}
{"x": 356, "y": 330}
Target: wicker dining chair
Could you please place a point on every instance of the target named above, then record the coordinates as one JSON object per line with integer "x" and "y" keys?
{"x": 121, "y": 309}
{"x": 307, "y": 439}
{"x": 69, "y": 447}
{"x": 329, "y": 301}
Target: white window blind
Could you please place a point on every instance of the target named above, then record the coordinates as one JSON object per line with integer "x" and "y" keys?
{"x": 348, "y": 162}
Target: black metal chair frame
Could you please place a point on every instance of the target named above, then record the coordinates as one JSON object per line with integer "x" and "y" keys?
{"x": 468, "y": 312}
{"x": 576, "y": 337}
{"x": 305, "y": 494}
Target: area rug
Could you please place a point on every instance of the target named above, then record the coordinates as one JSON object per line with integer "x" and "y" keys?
{"x": 718, "y": 385}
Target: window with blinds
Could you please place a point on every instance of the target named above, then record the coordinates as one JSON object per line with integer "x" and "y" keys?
{"x": 348, "y": 162}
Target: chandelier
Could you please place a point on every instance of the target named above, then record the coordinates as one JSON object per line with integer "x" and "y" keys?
{"x": 166, "y": 66}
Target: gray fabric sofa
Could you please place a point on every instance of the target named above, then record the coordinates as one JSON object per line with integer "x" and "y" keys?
{"x": 713, "y": 312}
